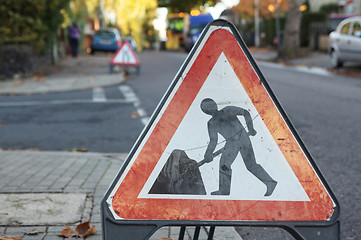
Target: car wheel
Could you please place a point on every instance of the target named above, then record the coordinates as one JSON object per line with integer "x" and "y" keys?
{"x": 92, "y": 52}
{"x": 335, "y": 60}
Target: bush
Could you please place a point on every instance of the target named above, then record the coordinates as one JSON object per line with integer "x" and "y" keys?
{"x": 29, "y": 23}
{"x": 32, "y": 22}
{"x": 307, "y": 19}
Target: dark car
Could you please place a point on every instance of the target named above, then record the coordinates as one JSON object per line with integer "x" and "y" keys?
{"x": 106, "y": 40}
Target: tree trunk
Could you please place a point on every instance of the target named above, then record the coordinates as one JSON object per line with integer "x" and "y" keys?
{"x": 291, "y": 39}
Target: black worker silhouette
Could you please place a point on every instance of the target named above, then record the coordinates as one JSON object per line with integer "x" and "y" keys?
{"x": 226, "y": 123}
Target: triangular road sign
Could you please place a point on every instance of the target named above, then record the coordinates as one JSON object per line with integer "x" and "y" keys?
{"x": 125, "y": 55}
{"x": 220, "y": 104}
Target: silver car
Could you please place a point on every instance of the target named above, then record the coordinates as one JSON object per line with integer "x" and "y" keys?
{"x": 345, "y": 42}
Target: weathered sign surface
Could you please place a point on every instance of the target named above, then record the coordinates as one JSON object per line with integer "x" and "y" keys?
{"x": 220, "y": 149}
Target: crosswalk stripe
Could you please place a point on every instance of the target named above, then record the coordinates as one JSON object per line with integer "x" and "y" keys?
{"x": 99, "y": 95}
{"x": 130, "y": 96}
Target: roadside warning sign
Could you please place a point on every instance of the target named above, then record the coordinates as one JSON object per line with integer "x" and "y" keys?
{"x": 125, "y": 56}
{"x": 220, "y": 148}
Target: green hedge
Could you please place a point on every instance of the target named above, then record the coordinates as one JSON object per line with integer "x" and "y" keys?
{"x": 33, "y": 22}
{"x": 307, "y": 19}
{"x": 269, "y": 27}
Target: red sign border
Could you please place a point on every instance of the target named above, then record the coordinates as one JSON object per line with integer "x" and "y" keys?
{"x": 294, "y": 210}
{"x": 131, "y": 51}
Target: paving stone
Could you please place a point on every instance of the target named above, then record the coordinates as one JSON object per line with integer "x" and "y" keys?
{"x": 41, "y": 209}
{"x": 55, "y": 229}
{"x": 18, "y": 175}
{"x": 20, "y": 231}
{"x": 168, "y": 232}
{"x": 73, "y": 171}
{"x": 7, "y": 167}
{"x": 80, "y": 178}
{"x": 96, "y": 174}
{"x": 88, "y": 206}
{"x": 34, "y": 237}
{"x": 60, "y": 182}
{"x": 46, "y": 167}
{"x": 53, "y": 237}
{"x": 96, "y": 218}
{"x": 95, "y": 237}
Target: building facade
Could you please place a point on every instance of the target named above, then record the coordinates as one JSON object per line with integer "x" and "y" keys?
{"x": 346, "y": 6}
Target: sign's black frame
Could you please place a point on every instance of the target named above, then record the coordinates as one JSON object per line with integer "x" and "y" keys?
{"x": 143, "y": 229}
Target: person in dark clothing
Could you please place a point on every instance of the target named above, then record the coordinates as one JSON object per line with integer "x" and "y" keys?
{"x": 74, "y": 35}
{"x": 226, "y": 123}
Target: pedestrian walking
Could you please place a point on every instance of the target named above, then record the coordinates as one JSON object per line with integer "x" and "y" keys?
{"x": 74, "y": 35}
{"x": 226, "y": 123}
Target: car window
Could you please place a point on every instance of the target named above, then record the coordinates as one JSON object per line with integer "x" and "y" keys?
{"x": 345, "y": 28}
{"x": 356, "y": 27}
{"x": 104, "y": 34}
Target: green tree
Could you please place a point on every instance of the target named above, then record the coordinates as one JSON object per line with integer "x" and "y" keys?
{"x": 33, "y": 22}
{"x": 131, "y": 15}
{"x": 184, "y": 5}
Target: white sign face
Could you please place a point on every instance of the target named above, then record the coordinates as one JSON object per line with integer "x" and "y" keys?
{"x": 125, "y": 56}
{"x": 224, "y": 87}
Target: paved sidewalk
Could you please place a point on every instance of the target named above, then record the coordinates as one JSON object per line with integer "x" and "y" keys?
{"x": 43, "y": 192}
{"x": 83, "y": 72}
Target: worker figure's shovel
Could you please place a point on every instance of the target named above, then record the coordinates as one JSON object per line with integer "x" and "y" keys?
{"x": 180, "y": 175}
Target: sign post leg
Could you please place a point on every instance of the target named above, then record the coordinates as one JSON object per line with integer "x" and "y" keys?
{"x": 181, "y": 233}
{"x": 211, "y": 232}
{"x": 196, "y": 232}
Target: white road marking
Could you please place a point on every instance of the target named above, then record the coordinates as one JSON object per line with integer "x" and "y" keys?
{"x": 310, "y": 70}
{"x": 99, "y": 95}
{"x": 130, "y": 96}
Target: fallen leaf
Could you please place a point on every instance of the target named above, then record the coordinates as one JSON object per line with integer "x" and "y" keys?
{"x": 134, "y": 115}
{"x": 1, "y": 125}
{"x": 84, "y": 230}
{"x": 68, "y": 232}
{"x": 39, "y": 79}
{"x": 10, "y": 238}
{"x": 18, "y": 84}
{"x": 91, "y": 231}
{"x": 92, "y": 80}
{"x": 79, "y": 150}
{"x": 34, "y": 149}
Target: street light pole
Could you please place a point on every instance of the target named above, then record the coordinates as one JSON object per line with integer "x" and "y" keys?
{"x": 256, "y": 22}
{"x": 278, "y": 27}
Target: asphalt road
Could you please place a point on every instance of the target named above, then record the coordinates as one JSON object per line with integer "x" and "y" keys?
{"x": 325, "y": 109}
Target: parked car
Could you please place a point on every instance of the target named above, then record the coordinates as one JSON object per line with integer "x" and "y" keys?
{"x": 106, "y": 40}
{"x": 345, "y": 42}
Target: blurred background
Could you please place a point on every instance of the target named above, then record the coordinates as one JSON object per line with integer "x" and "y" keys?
{"x": 40, "y": 29}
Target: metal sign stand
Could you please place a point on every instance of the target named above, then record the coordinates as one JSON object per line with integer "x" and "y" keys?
{"x": 143, "y": 229}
